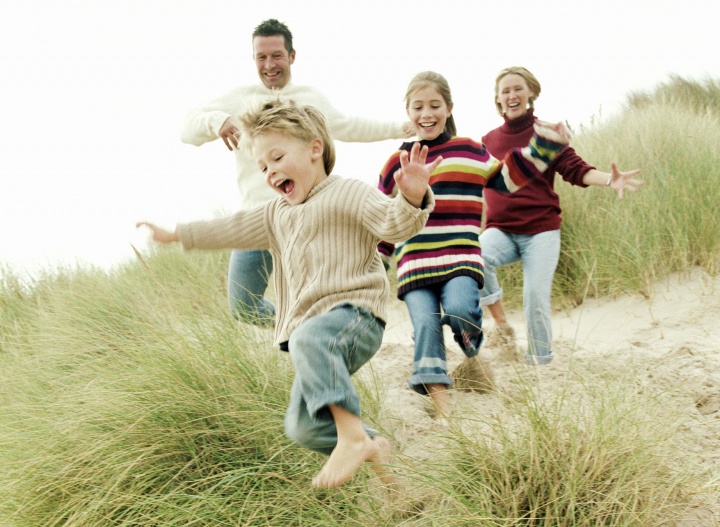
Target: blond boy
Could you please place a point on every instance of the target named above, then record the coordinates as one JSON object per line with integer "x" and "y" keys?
{"x": 331, "y": 287}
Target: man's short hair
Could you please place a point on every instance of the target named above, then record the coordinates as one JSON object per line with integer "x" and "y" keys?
{"x": 272, "y": 27}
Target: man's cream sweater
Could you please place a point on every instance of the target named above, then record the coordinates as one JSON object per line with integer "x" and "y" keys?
{"x": 324, "y": 250}
{"x": 203, "y": 125}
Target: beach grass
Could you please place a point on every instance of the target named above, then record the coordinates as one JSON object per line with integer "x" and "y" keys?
{"x": 131, "y": 397}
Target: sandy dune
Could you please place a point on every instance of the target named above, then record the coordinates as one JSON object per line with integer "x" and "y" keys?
{"x": 669, "y": 341}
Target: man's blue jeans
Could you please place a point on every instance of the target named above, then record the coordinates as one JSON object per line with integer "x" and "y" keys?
{"x": 539, "y": 254}
{"x": 248, "y": 276}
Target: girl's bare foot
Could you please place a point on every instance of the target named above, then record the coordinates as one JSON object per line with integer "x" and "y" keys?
{"x": 347, "y": 457}
{"x": 441, "y": 400}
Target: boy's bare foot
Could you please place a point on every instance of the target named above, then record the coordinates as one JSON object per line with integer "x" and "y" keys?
{"x": 381, "y": 462}
{"x": 347, "y": 457}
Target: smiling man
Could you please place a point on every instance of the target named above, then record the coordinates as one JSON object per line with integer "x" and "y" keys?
{"x": 274, "y": 55}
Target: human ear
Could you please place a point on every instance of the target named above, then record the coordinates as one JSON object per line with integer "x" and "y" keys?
{"x": 317, "y": 148}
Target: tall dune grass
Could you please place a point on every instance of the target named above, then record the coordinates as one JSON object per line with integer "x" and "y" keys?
{"x": 132, "y": 398}
{"x": 586, "y": 458}
{"x": 135, "y": 399}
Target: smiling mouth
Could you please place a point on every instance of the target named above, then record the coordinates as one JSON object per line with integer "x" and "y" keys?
{"x": 286, "y": 186}
{"x": 427, "y": 125}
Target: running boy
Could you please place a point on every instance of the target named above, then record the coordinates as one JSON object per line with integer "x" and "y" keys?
{"x": 331, "y": 287}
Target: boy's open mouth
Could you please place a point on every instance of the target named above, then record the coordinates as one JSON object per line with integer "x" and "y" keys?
{"x": 286, "y": 185}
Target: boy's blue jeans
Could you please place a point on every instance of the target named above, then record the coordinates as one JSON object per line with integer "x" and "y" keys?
{"x": 325, "y": 351}
{"x": 456, "y": 303}
{"x": 248, "y": 275}
{"x": 539, "y": 254}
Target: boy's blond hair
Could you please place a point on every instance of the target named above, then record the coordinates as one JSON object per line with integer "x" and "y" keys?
{"x": 286, "y": 117}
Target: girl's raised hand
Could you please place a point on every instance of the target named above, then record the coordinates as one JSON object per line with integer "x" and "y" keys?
{"x": 413, "y": 176}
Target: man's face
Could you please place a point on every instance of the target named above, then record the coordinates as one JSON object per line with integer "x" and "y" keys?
{"x": 272, "y": 60}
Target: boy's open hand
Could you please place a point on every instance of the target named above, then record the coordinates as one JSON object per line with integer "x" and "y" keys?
{"x": 159, "y": 234}
{"x": 413, "y": 175}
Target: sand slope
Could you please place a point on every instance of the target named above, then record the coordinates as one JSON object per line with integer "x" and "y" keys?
{"x": 669, "y": 342}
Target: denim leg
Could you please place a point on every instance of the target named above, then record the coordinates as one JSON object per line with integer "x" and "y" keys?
{"x": 460, "y": 299}
{"x": 429, "y": 364}
{"x": 540, "y": 255}
{"x": 498, "y": 249}
{"x": 248, "y": 275}
{"x": 325, "y": 351}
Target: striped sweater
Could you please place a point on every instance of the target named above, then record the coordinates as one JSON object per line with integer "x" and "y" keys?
{"x": 324, "y": 249}
{"x": 449, "y": 244}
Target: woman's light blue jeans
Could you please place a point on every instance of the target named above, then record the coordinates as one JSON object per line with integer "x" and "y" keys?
{"x": 248, "y": 276}
{"x": 456, "y": 303}
{"x": 325, "y": 351}
{"x": 539, "y": 254}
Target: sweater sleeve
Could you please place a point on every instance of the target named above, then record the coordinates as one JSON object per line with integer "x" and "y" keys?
{"x": 522, "y": 164}
{"x": 243, "y": 230}
{"x": 352, "y": 129}
{"x": 387, "y": 186}
{"x": 395, "y": 219}
{"x": 202, "y": 125}
{"x": 571, "y": 166}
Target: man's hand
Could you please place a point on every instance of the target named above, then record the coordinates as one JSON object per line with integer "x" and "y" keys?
{"x": 413, "y": 175}
{"x": 409, "y": 129}
{"x": 159, "y": 234}
{"x": 230, "y": 133}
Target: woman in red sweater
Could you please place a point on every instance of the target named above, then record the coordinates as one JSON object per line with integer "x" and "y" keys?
{"x": 525, "y": 225}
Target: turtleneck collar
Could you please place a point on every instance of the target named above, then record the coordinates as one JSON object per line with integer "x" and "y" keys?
{"x": 515, "y": 126}
{"x": 444, "y": 137}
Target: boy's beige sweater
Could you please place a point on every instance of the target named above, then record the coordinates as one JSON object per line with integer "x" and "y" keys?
{"x": 324, "y": 250}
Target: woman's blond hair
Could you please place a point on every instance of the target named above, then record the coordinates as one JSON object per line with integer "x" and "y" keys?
{"x": 531, "y": 80}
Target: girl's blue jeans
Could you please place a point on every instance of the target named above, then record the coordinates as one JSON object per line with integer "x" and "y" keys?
{"x": 456, "y": 303}
{"x": 248, "y": 276}
{"x": 325, "y": 351}
{"x": 539, "y": 254}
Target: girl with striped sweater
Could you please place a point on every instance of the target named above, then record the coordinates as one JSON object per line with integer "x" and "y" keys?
{"x": 440, "y": 270}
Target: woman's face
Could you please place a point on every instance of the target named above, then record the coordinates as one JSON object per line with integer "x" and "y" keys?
{"x": 428, "y": 112}
{"x": 514, "y": 95}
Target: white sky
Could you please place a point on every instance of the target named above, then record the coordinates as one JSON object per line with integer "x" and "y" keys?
{"x": 93, "y": 92}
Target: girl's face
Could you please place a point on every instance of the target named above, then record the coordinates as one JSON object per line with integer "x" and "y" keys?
{"x": 514, "y": 95}
{"x": 290, "y": 166}
{"x": 428, "y": 112}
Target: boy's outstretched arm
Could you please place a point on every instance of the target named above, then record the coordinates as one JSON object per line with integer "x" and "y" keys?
{"x": 159, "y": 234}
{"x": 413, "y": 175}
